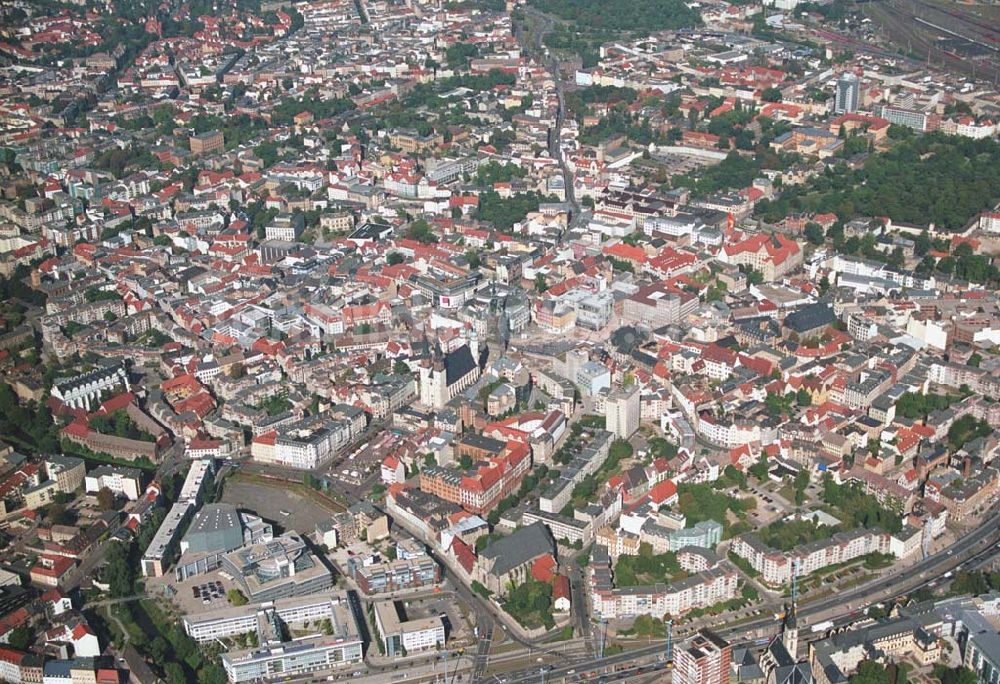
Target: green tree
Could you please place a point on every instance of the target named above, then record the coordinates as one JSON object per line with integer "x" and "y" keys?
{"x": 118, "y": 570}
{"x": 622, "y": 15}
{"x": 212, "y": 673}
{"x": 105, "y": 499}
{"x": 421, "y": 231}
{"x": 870, "y": 672}
{"x": 21, "y": 638}
{"x": 158, "y": 649}
{"x": 814, "y": 233}
{"x": 955, "y": 675}
{"x": 754, "y": 277}
{"x": 801, "y": 482}
{"x": 504, "y": 212}
{"x": 174, "y": 674}
{"x": 760, "y": 469}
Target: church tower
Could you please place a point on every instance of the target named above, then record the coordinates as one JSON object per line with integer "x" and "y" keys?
{"x": 790, "y": 628}
{"x": 434, "y": 381}
{"x": 790, "y": 631}
{"x": 474, "y": 345}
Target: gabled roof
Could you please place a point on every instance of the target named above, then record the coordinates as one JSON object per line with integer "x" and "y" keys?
{"x": 519, "y": 548}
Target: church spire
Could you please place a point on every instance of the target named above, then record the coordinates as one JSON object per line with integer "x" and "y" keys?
{"x": 790, "y": 626}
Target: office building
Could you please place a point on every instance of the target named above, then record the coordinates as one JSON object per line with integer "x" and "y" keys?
{"x": 216, "y": 530}
{"x": 162, "y": 549}
{"x": 656, "y": 305}
{"x": 326, "y": 628}
{"x": 281, "y": 568}
{"x": 232, "y": 620}
{"x": 67, "y": 471}
{"x": 312, "y": 442}
{"x": 401, "y": 636}
{"x": 703, "y": 659}
{"x": 916, "y": 119}
{"x": 848, "y": 94}
{"x": 285, "y": 227}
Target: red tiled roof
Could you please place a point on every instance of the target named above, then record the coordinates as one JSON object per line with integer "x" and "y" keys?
{"x": 463, "y": 554}
{"x": 544, "y": 568}
{"x": 560, "y": 588}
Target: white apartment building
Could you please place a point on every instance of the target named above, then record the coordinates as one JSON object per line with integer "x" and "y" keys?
{"x": 728, "y": 434}
{"x": 697, "y": 591}
{"x": 622, "y": 412}
{"x": 776, "y": 567}
{"x": 125, "y": 482}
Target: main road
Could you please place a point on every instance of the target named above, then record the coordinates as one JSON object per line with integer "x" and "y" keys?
{"x": 544, "y": 25}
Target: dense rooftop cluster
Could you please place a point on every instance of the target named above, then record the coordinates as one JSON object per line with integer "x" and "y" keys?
{"x": 588, "y": 312}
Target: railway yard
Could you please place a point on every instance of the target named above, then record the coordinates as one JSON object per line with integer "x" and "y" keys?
{"x": 956, "y": 36}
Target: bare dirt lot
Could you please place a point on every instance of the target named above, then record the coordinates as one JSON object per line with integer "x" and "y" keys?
{"x": 288, "y": 506}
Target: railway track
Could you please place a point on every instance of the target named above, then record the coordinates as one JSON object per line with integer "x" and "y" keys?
{"x": 925, "y": 27}
{"x": 988, "y": 31}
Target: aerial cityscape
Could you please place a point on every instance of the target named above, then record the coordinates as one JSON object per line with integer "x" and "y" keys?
{"x": 500, "y": 341}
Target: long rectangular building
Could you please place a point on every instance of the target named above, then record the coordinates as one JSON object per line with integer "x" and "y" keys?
{"x": 226, "y": 622}
{"x": 776, "y": 567}
{"x": 162, "y": 548}
{"x": 701, "y": 590}
{"x": 394, "y": 575}
{"x": 481, "y": 489}
{"x": 336, "y": 643}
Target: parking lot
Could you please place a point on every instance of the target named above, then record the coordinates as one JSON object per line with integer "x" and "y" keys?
{"x": 190, "y": 595}
{"x": 288, "y": 507}
{"x": 211, "y": 594}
